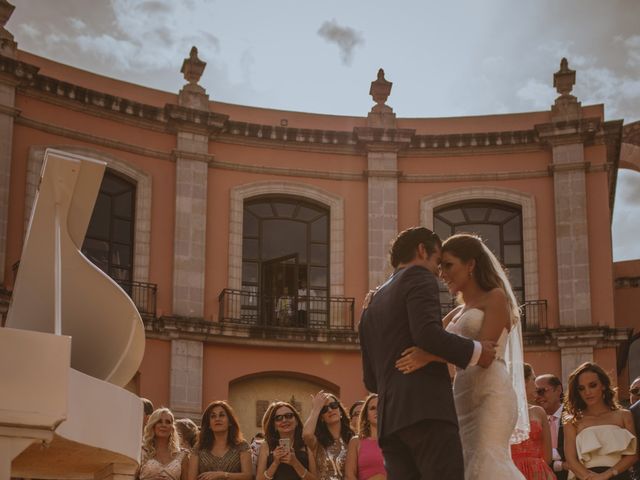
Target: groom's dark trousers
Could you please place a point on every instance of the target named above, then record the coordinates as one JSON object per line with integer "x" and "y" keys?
{"x": 417, "y": 423}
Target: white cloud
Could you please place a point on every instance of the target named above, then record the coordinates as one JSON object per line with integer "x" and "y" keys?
{"x": 626, "y": 216}
{"x": 29, "y": 30}
{"x": 77, "y": 23}
{"x": 537, "y": 94}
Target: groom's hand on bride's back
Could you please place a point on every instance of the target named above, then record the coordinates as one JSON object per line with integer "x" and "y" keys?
{"x": 488, "y": 353}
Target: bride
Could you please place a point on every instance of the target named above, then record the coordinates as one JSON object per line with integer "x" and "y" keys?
{"x": 490, "y": 413}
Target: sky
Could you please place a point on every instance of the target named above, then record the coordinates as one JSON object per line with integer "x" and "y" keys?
{"x": 445, "y": 58}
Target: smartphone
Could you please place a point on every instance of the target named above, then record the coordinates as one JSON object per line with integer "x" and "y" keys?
{"x": 286, "y": 443}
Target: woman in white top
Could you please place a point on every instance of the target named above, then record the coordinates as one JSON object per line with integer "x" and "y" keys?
{"x": 599, "y": 435}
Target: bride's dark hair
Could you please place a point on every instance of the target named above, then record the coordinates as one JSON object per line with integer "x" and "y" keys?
{"x": 467, "y": 247}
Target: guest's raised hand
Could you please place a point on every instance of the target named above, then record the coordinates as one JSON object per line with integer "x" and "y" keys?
{"x": 319, "y": 399}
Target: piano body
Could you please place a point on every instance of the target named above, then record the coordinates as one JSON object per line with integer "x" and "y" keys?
{"x": 73, "y": 339}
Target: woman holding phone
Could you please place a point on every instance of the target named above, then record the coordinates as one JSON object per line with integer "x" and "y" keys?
{"x": 283, "y": 454}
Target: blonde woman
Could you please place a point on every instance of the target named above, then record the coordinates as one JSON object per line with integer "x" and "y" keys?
{"x": 364, "y": 457}
{"x": 162, "y": 456}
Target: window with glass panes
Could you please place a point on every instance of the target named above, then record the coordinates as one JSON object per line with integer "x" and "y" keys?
{"x": 109, "y": 240}
{"x": 498, "y": 224}
{"x": 285, "y": 253}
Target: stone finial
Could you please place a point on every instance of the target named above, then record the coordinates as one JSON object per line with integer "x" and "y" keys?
{"x": 8, "y": 45}
{"x": 566, "y": 107}
{"x": 193, "y": 67}
{"x": 380, "y": 90}
{"x": 564, "y": 79}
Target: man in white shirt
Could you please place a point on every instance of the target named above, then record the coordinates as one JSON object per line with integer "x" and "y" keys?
{"x": 549, "y": 396}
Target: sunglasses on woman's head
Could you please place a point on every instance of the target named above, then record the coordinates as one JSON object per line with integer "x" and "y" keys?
{"x": 333, "y": 406}
{"x": 288, "y": 416}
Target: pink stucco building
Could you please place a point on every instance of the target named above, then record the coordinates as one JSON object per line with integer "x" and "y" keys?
{"x": 249, "y": 237}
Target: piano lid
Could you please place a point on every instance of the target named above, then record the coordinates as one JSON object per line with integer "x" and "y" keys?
{"x": 104, "y": 323}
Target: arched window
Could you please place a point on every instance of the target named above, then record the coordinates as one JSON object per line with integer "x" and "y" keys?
{"x": 109, "y": 240}
{"x": 285, "y": 261}
{"x": 499, "y": 225}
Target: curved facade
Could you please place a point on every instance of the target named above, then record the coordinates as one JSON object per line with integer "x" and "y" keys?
{"x": 225, "y": 322}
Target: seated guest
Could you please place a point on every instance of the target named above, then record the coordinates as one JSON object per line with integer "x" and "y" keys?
{"x": 220, "y": 452}
{"x": 162, "y": 457}
{"x": 364, "y": 457}
{"x": 354, "y": 414}
{"x": 283, "y": 455}
{"x": 549, "y": 395}
{"x": 327, "y": 433}
{"x": 532, "y": 456}
{"x": 188, "y": 431}
{"x": 599, "y": 435}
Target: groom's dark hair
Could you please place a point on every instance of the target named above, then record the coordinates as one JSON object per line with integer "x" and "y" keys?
{"x": 405, "y": 245}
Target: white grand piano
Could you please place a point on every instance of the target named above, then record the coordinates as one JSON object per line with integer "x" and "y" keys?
{"x": 73, "y": 339}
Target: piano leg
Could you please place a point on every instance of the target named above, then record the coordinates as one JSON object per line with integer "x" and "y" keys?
{"x": 14, "y": 441}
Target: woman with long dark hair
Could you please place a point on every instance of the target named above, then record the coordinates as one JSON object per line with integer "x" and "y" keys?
{"x": 161, "y": 452}
{"x": 364, "y": 457}
{"x": 221, "y": 452}
{"x": 283, "y": 454}
{"x": 327, "y": 433}
{"x": 599, "y": 435}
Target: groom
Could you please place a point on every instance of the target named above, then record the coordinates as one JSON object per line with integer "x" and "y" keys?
{"x": 417, "y": 423}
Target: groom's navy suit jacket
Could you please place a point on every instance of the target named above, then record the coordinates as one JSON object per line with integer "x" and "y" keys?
{"x": 405, "y": 312}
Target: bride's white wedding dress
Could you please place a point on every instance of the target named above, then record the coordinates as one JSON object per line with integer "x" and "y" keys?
{"x": 487, "y": 408}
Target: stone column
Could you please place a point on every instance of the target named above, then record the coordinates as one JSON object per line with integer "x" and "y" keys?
{"x": 382, "y": 141}
{"x": 191, "y": 158}
{"x": 8, "y": 48}
{"x": 191, "y": 195}
{"x": 566, "y": 135}
{"x": 186, "y": 378}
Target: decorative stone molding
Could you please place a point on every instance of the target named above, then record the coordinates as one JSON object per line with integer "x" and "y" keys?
{"x": 199, "y": 330}
{"x": 566, "y": 106}
{"x": 143, "y": 181}
{"x": 627, "y": 282}
{"x": 529, "y": 223}
{"x": 335, "y": 203}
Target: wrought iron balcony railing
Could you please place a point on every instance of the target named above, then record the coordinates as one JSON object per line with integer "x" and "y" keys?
{"x": 308, "y": 312}
{"x": 533, "y": 314}
{"x": 144, "y": 295}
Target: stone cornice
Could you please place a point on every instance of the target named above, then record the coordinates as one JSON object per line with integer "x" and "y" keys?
{"x": 168, "y": 328}
{"x": 631, "y": 133}
{"x": 590, "y": 336}
{"x": 627, "y": 282}
{"x": 569, "y": 132}
{"x": 383, "y": 139}
{"x": 172, "y": 118}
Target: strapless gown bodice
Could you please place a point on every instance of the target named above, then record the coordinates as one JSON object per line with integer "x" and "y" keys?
{"x": 603, "y": 445}
{"x": 487, "y": 408}
{"x": 467, "y": 323}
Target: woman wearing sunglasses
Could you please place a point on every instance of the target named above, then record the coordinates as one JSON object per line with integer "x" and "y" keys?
{"x": 283, "y": 455}
{"x": 327, "y": 433}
